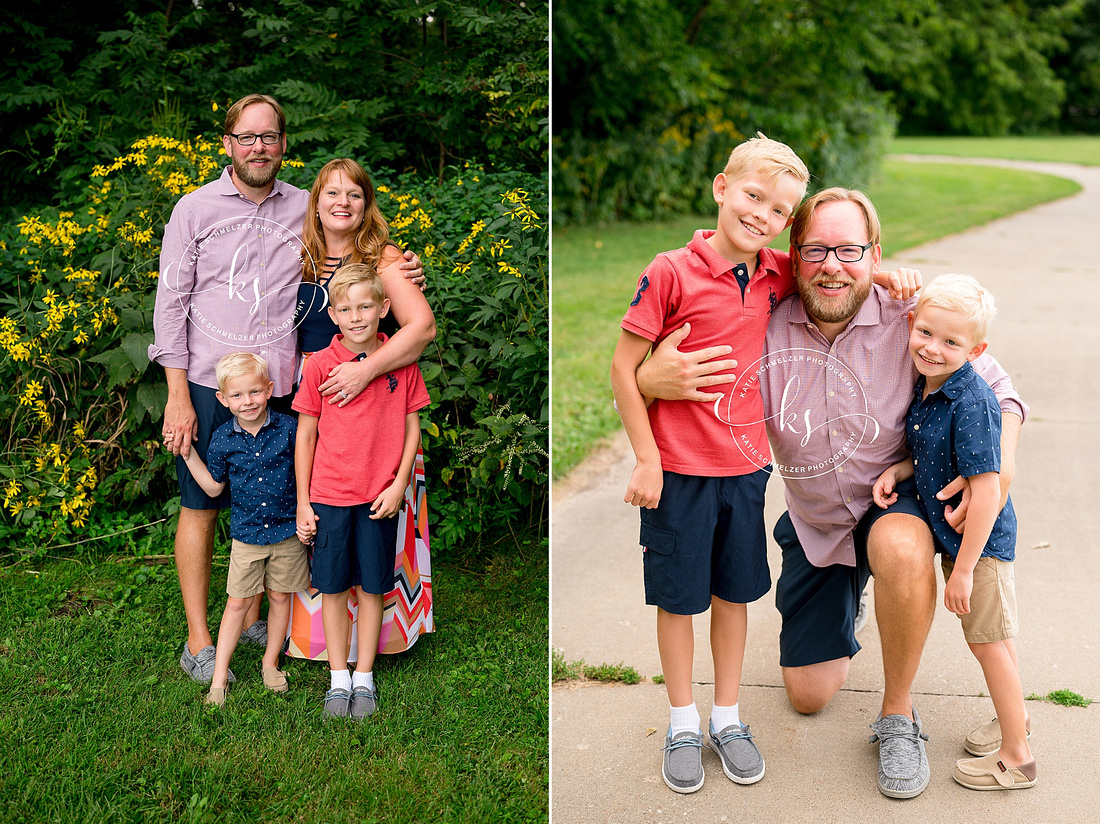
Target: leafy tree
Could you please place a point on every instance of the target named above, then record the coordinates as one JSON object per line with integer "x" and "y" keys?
{"x": 640, "y": 131}
{"x": 973, "y": 66}
{"x": 418, "y": 86}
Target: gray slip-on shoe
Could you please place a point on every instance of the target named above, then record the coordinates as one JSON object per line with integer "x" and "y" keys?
{"x": 200, "y": 666}
{"x": 861, "y": 614}
{"x": 337, "y": 702}
{"x": 255, "y": 634}
{"x": 364, "y": 701}
{"x": 741, "y": 760}
{"x": 682, "y": 767}
{"x": 902, "y": 762}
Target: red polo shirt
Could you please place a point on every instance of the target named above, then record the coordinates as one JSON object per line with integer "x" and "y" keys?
{"x": 358, "y": 445}
{"x": 696, "y": 285}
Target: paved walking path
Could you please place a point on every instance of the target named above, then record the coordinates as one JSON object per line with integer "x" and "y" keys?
{"x": 1043, "y": 266}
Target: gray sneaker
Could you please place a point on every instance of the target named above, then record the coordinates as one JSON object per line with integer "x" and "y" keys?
{"x": 861, "y": 614}
{"x": 682, "y": 767}
{"x": 741, "y": 760}
{"x": 337, "y": 702}
{"x": 902, "y": 762}
{"x": 255, "y": 634}
{"x": 200, "y": 666}
{"x": 364, "y": 701}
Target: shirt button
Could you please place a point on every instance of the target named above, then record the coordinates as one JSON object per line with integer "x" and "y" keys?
{"x": 840, "y": 469}
{"x": 832, "y": 394}
{"x": 848, "y": 500}
{"x": 916, "y": 426}
{"x": 834, "y": 433}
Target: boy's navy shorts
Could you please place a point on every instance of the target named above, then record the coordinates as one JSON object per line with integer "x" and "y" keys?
{"x": 211, "y": 414}
{"x": 706, "y": 538}
{"x": 352, "y": 550}
{"x": 819, "y": 604}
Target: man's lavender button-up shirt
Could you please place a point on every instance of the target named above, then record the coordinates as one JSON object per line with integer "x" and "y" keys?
{"x": 229, "y": 273}
{"x": 836, "y": 414}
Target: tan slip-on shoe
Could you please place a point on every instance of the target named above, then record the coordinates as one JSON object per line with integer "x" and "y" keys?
{"x": 989, "y": 773}
{"x": 216, "y": 696}
{"x": 275, "y": 679}
{"x": 986, "y": 739}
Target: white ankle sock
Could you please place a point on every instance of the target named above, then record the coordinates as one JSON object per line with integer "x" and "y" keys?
{"x": 722, "y": 717}
{"x": 684, "y": 719}
{"x": 341, "y": 679}
{"x": 362, "y": 679}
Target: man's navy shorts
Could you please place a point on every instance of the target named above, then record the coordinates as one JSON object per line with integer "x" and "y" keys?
{"x": 706, "y": 537}
{"x": 211, "y": 414}
{"x": 352, "y": 550}
{"x": 819, "y": 604}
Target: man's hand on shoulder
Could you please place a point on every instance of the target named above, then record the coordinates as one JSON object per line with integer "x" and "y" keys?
{"x": 680, "y": 376}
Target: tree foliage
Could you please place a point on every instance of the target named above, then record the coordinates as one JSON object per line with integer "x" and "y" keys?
{"x": 390, "y": 81}
{"x": 973, "y": 67}
{"x": 651, "y": 95}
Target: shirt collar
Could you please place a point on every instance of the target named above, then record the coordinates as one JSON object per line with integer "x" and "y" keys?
{"x": 718, "y": 265}
{"x": 953, "y": 386}
{"x": 268, "y": 419}
{"x": 869, "y": 314}
{"x": 225, "y": 185}
{"x": 343, "y": 353}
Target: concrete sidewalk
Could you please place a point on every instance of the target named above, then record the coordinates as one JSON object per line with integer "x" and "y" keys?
{"x": 1043, "y": 266}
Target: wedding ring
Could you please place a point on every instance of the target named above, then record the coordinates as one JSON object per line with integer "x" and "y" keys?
{"x": 343, "y": 394}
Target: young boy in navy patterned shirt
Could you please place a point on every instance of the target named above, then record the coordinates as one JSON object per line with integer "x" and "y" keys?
{"x": 954, "y": 428}
{"x": 254, "y": 454}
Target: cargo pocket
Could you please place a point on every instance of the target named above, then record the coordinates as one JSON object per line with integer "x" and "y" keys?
{"x": 661, "y": 541}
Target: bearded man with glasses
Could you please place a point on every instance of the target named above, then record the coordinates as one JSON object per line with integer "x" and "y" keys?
{"x": 837, "y": 380}
{"x": 230, "y": 264}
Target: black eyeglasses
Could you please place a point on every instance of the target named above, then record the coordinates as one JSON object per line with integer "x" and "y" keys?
{"x": 845, "y": 254}
{"x": 268, "y": 138}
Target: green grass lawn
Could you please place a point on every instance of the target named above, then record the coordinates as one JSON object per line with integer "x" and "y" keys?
{"x": 101, "y": 724}
{"x": 596, "y": 269}
{"x": 1082, "y": 149}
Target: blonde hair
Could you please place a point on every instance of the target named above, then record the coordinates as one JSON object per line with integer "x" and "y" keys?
{"x": 769, "y": 158}
{"x": 236, "y": 364}
{"x": 233, "y": 114}
{"x": 349, "y": 275}
{"x": 800, "y": 224}
{"x": 961, "y": 293}
{"x": 373, "y": 235}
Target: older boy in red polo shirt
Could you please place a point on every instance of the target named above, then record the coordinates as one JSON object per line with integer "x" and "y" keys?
{"x": 705, "y": 545}
{"x": 352, "y": 463}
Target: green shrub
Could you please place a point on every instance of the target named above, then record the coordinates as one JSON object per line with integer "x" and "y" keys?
{"x": 80, "y": 404}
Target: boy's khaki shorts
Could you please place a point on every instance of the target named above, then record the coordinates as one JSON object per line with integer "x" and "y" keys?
{"x": 283, "y": 565}
{"x": 992, "y": 615}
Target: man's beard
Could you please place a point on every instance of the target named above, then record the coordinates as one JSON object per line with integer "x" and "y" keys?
{"x": 257, "y": 178}
{"x": 832, "y": 310}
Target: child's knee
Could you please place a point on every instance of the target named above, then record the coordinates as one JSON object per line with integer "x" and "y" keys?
{"x": 239, "y": 606}
{"x": 279, "y": 599}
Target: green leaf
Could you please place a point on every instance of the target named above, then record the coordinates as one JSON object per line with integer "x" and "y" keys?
{"x": 136, "y": 347}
